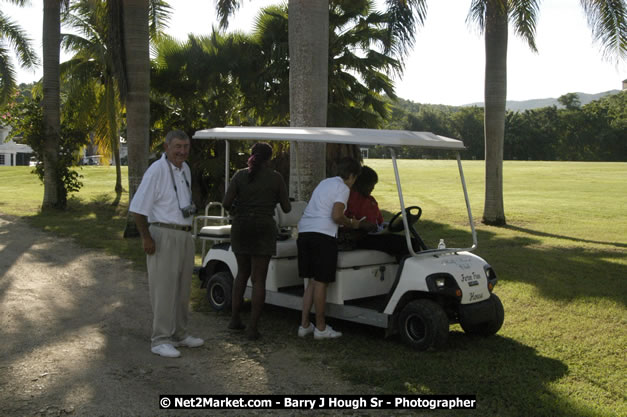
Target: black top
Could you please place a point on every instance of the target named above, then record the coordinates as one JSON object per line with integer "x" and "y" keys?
{"x": 256, "y": 198}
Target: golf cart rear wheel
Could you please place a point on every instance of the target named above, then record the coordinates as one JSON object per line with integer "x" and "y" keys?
{"x": 490, "y": 327}
{"x": 219, "y": 290}
{"x": 423, "y": 325}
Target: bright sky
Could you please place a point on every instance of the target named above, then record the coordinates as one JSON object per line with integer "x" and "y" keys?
{"x": 446, "y": 65}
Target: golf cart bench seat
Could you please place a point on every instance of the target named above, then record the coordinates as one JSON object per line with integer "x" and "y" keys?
{"x": 345, "y": 259}
{"x": 216, "y": 232}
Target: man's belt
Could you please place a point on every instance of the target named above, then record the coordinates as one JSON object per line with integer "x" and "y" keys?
{"x": 173, "y": 226}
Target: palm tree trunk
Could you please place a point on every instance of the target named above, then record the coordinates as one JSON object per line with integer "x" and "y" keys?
{"x": 112, "y": 130}
{"x": 51, "y": 103}
{"x": 496, "y": 21}
{"x": 309, "y": 46}
{"x": 137, "y": 60}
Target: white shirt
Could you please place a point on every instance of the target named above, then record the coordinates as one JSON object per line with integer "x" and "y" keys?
{"x": 155, "y": 197}
{"x": 317, "y": 215}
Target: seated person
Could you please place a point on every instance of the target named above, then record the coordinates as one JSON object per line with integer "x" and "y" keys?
{"x": 363, "y": 205}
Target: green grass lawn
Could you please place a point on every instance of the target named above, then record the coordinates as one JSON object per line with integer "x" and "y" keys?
{"x": 561, "y": 263}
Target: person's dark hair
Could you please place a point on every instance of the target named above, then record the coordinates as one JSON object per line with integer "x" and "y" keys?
{"x": 366, "y": 180}
{"x": 347, "y": 166}
{"x": 259, "y": 153}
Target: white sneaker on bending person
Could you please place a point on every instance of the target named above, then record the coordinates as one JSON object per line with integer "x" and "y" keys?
{"x": 304, "y": 331}
{"x": 327, "y": 333}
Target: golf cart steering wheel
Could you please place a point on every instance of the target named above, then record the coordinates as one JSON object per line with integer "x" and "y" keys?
{"x": 397, "y": 225}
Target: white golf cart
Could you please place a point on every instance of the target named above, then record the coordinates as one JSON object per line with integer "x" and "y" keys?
{"x": 418, "y": 297}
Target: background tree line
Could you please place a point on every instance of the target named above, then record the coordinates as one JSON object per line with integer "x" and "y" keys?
{"x": 596, "y": 131}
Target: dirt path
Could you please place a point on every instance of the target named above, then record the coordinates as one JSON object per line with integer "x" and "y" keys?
{"x": 74, "y": 332}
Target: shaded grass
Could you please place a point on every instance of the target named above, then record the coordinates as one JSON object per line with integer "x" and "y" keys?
{"x": 561, "y": 263}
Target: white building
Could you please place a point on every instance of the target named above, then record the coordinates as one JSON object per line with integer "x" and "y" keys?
{"x": 12, "y": 153}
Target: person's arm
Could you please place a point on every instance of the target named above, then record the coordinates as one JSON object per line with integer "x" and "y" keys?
{"x": 284, "y": 199}
{"x": 142, "y": 225}
{"x": 367, "y": 226}
{"x": 230, "y": 195}
{"x": 337, "y": 214}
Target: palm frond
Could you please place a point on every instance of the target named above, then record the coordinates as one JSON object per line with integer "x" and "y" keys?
{"x": 159, "y": 13}
{"x": 7, "y": 76}
{"x": 608, "y": 21}
{"x": 404, "y": 16}
{"x": 19, "y": 41}
{"x": 523, "y": 14}
{"x": 226, "y": 8}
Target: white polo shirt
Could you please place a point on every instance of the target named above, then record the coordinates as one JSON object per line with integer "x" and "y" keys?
{"x": 317, "y": 214}
{"x": 155, "y": 197}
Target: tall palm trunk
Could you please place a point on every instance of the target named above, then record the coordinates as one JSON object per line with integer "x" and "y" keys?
{"x": 309, "y": 45}
{"x": 114, "y": 135}
{"x": 496, "y": 21}
{"x": 137, "y": 60}
{"x": 53, "y": 189}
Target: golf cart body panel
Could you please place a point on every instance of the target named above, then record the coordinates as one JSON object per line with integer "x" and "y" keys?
{"x": 417, "y": 297}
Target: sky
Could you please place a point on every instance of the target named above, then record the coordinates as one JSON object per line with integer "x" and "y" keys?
{"x": 446, "y": 65}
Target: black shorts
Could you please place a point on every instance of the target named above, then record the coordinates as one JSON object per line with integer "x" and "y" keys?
{"x": 317, "y": 256}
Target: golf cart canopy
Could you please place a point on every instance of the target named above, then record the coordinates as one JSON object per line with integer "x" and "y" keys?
{"x": 352, "y": 136}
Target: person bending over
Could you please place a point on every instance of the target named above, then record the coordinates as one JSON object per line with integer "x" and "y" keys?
{"x": 317, "y": 244}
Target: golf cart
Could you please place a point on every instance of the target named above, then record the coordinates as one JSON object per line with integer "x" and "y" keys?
{"x": 418, "y": 297}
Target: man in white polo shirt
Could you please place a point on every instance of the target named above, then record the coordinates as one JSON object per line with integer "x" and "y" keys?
{"x": 163, "y": 210}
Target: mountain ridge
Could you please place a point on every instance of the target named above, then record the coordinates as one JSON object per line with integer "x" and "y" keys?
{"x": 521, "y": 105}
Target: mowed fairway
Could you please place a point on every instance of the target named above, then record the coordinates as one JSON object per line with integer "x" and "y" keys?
{"x": 561, "y": 263}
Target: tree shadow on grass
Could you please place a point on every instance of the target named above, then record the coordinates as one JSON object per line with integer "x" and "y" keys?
{"x": 574, "y": 239}
{"x": 559, "y": 273}
{"x": 508, "y": 378}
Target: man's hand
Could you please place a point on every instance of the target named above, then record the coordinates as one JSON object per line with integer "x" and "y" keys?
{"x": 149, "y": 245}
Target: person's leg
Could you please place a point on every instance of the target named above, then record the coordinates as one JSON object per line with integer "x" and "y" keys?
{"x": 185, "y": 262}
{"x": 307, "y": 303}
{"x": 239, "y": 287}
{"x": 162, "y": 286}
{"x": 320, "y": 301}
{"x": 259, "y": 273}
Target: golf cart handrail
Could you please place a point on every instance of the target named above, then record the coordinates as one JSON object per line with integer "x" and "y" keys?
{"x": 353, "y": 136}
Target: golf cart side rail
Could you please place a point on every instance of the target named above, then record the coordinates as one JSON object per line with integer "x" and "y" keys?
{"x": 354, "y": 136}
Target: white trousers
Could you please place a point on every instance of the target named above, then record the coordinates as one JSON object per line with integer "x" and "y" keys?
{"x": 170, "y": 271}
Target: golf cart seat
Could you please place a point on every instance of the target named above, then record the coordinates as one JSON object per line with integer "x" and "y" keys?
{"x": 287, "y": 222}
{"x": 363, "y": 257}
{"x": 217, "y": 233}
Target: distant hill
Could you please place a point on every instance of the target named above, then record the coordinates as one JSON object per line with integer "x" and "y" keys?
{"x": 546, "y": 102}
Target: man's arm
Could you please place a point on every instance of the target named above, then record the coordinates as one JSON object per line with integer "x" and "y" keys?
{"x": 142, "y": 225}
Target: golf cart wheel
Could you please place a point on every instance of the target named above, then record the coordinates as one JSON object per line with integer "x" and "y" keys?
{"x": 487, "y": 328}
{"x": 423, "y": 325}
{"x": 219, "y": 289}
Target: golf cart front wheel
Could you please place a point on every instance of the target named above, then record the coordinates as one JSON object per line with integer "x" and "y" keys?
{"x": 219, "y": 290}
{"x": 489, "y": 327}
{"x": 423, "y": 325}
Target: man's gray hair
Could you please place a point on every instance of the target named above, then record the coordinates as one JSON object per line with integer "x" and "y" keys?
{"x": 175, "y": 134}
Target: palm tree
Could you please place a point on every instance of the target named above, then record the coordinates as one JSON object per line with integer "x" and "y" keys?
{"x": 131, "y": 23}
{"x": 608, "y": 21}
{"x": 51, "y": 102}
{"x": 92, "y": 68}
{"x": 12, "y": 36}
{"x": 309, "y": 48}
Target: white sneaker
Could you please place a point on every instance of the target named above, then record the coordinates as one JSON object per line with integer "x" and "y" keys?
{"x": 304, "y": 331}
{"x": 190, "y": 341}
{"x": 327, "y": 333}
{"x": 166, "y": 350}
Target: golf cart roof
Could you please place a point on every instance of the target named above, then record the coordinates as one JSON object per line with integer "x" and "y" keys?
{"x": 333, "y": 135}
